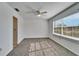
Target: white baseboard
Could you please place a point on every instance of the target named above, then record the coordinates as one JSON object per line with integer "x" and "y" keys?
{"x": 36, "y": 37}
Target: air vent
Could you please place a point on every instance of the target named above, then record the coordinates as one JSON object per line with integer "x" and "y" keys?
{"x": 16, "y": 9}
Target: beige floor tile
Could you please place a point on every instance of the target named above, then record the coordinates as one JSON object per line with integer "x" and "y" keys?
{"x": 48, "y": 52}
{"x": 32, "y": 47}
{"x": 32, "y": 54}
{"x": 38, "y": 47}
{"x": 39, "y": 53}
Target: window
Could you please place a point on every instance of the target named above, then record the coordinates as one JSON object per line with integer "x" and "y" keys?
{"x": 57, "y": 26}
{"x": 68, "y": 26}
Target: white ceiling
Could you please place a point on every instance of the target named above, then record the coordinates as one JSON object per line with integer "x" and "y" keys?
{"x": 51, "y": 7}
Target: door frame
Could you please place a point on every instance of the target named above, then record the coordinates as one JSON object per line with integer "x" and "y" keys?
{"x": 15, "y": 28}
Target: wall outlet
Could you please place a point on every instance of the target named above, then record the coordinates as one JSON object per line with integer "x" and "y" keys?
{"x": 0, "y": 49}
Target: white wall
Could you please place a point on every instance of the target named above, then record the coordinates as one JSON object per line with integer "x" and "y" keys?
{"x": 6, "y": 28}
{"x": 27, "y": 28}
{"x": 70, "y": 44}
{"x": 35, "y": 28}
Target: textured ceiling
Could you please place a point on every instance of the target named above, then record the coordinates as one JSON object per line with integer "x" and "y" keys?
{"x": 52, "y": 8}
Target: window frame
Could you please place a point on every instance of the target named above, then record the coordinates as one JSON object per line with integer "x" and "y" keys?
{"x": 62, "y": 35}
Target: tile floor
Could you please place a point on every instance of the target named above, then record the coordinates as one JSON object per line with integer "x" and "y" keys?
{"x": 40, "y": 47}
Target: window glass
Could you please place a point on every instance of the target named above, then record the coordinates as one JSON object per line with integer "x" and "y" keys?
{"x": 68, "y": 25}
{"x": 57, "y": 26}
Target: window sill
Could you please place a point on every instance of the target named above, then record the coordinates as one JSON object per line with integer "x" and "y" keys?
{"x": 69, "y": 37}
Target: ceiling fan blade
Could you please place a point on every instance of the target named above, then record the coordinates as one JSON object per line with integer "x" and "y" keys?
{"x": 44, "y": 12}
{"x": 38, "y": 12}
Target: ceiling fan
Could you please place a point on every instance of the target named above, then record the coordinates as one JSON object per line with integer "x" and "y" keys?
{"x": 37, "y": 11}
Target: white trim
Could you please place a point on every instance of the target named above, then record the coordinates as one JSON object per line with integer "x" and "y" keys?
{"x": 53, "y": 27}
{"x": 66, "y": 36}
{"x": 74, "y": 38}
{"x": 70, "y": 37}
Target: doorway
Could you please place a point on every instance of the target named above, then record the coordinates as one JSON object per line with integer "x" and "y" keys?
{"x": 15, "y": 31}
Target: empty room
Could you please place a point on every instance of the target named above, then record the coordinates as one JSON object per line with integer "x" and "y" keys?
{"x": 39, "y": 28}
